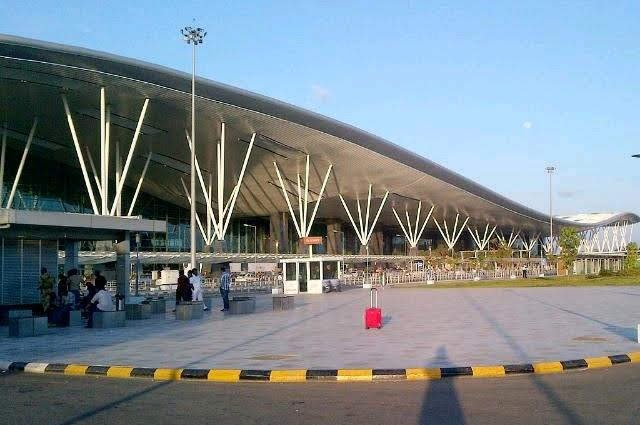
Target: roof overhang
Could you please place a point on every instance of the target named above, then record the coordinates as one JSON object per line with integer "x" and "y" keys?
{"x": 57, "y": 225}
{"x": 35, "y": 73}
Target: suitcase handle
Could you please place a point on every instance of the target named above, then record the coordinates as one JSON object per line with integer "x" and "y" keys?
{"x": 374, "y": 290}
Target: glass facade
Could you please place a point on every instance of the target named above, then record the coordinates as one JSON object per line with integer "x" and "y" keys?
{"x": 47, "y": 185}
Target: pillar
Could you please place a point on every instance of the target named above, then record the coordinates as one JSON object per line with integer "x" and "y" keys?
{"x": 334, "y": 237}
{"x": 279, "y": 231}
{"x": 123, "y": 264}
{"x": 71, "y": 252}
{"x": 376, "y": 243}
{"x": 218, "y": 246}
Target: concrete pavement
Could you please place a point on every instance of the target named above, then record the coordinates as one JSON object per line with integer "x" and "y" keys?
{"x": 423, "y": 328}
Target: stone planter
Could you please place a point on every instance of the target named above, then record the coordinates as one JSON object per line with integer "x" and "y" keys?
{"x": 242, "y": 305}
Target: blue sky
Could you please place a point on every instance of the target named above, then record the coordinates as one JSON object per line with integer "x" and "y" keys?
{"x": 495, "y": 91}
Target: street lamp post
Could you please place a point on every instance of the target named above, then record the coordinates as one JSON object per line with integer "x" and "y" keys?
{"x": 193, "y": 36}
{"x": 550, "y": 171}
{"x": 255, "y": 248}
{"x": 137, "y": 262}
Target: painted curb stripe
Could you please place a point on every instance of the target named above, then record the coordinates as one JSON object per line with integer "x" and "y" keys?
{"x": 574, "y": 364}
{"x": 393, "y": 374}
{"x": 518, "y": 368}
{"x": 119, "y": 372}
{"x": 255, "y": 375}
{"x": 423, "y": 373}
{"x": 143, "y": 372}
{"x": 17, "y": 366}
{"x": 76, "y": 369}
{"x": 97, "y": 370}
{"x": 224, "y": 375}
{"x": 355, "y": 375}
{"x": 299, "y": 375}
{"x": 35, "y": 367}
{"x": 619, "y": 358}
{"x": 56, "y": 367}
{"x": 194, "y": 374}
{"x": 488, "y": 371}
{"x": 167, "y": 374}
{"x": 322, "y": 374}
{"x": 547, "y": 367}
{"x": 455, "y": 371}
{"x": 597, "y": 362}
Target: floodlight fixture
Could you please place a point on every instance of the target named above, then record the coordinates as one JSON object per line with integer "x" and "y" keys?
{"x": 193, "y": 35}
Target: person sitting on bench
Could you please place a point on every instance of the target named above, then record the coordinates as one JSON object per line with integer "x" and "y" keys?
{"x": 101, "y": 301}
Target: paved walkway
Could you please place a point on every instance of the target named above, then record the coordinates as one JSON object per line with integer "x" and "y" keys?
{"x": 423, "y": 328}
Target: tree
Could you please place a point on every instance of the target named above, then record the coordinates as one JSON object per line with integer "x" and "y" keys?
{"x": 569, "y": 243}
{"x": 631, "y": 262}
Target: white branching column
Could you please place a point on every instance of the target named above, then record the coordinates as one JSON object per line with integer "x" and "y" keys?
{"x": 482, "y": 242}
{"x": 14, "y": 187}
{"x": 413, "y": 233}
{"x": 529, "y": 241}
{"x": 364, "y": 229}
{"x": 508, "y": 242}
{"x": 302, "y": 221}
{"x": 217, "y": 220}
{"x": 101, "y": 173}
{"x": 451, "y": 238}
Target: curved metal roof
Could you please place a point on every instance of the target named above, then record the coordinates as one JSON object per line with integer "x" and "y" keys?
{"x": 289, "y": 132}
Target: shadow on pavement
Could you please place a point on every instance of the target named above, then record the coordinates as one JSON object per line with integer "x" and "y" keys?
{"x": 86, "y": 416}
{"x": 552, "y": 396}
{"x": 626, "y": 333}
{"x": 440, "y": 404}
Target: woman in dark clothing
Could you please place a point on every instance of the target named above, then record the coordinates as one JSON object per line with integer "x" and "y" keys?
{"x": 183, "y": 290}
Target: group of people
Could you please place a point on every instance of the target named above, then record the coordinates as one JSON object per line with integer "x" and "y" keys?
{"x": 190, "y": 288}
{"x": 58, "y": 300}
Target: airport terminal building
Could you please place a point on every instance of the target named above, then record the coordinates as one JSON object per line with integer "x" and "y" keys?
{"x": 96, "y": 150}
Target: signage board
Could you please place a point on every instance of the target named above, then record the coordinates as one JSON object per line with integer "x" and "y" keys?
{"x": 311, "y": 240}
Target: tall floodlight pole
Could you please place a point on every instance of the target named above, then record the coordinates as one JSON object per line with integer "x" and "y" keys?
{"x": 193, "y": 36}
{"x": 550, "y": 171}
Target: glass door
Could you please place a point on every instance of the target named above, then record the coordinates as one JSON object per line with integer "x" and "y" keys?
{"x": 302, "y": 277}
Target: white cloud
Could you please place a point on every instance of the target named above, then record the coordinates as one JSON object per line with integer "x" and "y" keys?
{"x": 319, "y": 93}
{"x": 527, "y": 125}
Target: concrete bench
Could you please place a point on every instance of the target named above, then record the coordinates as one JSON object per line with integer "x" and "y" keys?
{"x": 7, "y": 315}
{"x": 109, "y": 319}
{"x": 28, "y": 326}
{"x": 188, "y": 310}
{"x": 242, "y": 305}
{"x": 138, "y": 311}
{"x": 158, "y": 306}
{"x": 283, "y": 302}
{"x": 75, "y": 318}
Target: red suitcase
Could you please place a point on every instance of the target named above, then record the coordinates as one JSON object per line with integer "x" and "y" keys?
{"x": 373, "y": 314}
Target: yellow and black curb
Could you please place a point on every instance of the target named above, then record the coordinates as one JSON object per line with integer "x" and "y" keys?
{"x": 311, "y": 375}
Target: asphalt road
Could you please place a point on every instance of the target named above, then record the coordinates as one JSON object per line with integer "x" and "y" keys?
{"x": 607, "y": 396}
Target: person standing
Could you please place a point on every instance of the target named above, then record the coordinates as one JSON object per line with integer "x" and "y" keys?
{"x": 46, "y": 288}
{"x": 183, "y": 290}
{"x": 225, "y": 286}
{"x": 73, "y": 281}
{"x": 196, "y": 284}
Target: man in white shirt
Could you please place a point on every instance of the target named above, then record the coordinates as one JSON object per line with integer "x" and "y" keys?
{"x": 101, "y": 301}
{"x": 196, "y": 283}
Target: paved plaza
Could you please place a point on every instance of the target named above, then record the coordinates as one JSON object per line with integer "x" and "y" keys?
{"x": 423, "y": 328}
